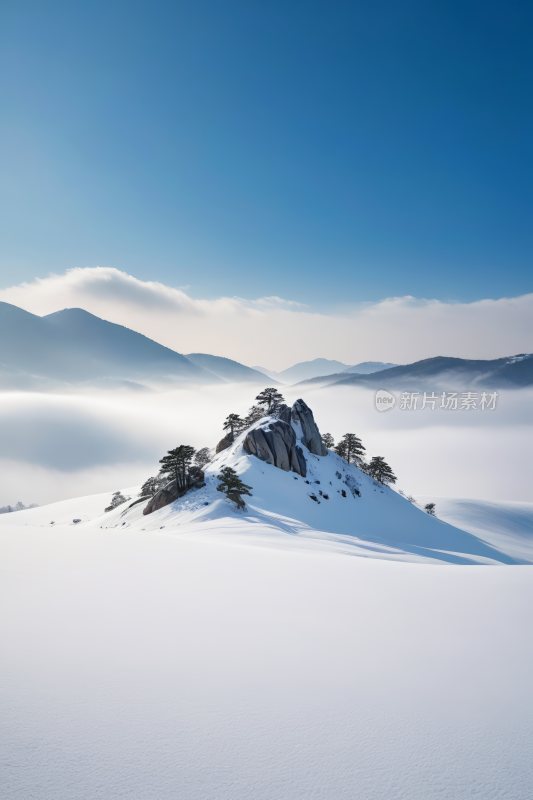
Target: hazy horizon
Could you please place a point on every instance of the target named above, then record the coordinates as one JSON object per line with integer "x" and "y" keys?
{"x": 285, "y": 332}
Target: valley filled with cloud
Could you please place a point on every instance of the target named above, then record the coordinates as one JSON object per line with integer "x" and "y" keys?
{"x": 57, "y": 446}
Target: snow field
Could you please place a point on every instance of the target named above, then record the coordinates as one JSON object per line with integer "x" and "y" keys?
{"x": 151, "y": 665}
{"x": 203, "y": 654}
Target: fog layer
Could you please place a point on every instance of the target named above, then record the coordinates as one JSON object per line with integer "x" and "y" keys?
{"x": 55, "y": 446}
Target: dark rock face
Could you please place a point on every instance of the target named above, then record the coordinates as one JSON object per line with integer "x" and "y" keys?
{"x": 170, "y": 492}
{"x": 285, "y": 414}
{"x": 224, "y": 443}
{"x": 301, "y": 414}
{"x": 276, "y": 444}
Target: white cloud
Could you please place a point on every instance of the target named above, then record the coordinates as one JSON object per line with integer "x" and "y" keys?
{"x": 281, "y": 332}
{"x": 277, "y": 302}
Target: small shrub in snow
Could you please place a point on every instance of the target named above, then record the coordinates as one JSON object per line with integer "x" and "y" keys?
{"x": 429, "y": 508}
{"x": 407, "y": 497}
{"x": 152, "y": 485}
{"x": 18, "y": 507}
{"x": 117, "y": 500}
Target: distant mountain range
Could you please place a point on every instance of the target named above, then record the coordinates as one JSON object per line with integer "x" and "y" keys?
{"x": 73, "y": 347}
{"x": 511, "y": 372}
{"x": 305, "y": 370}
{"x": 229, "y": 370}
{"x": 368, "y": 367}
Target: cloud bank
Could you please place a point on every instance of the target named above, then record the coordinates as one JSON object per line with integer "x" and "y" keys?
{"x": 55, "y": 447}
{"x": 278, "y": 333}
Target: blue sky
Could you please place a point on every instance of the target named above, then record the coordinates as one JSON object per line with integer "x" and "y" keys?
{"x": 326, "y": 152}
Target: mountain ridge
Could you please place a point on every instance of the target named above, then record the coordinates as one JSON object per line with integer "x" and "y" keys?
{"x": 501, "y": 373}
{"x": 228, "y": 369}
{"x": 73, "y": 345}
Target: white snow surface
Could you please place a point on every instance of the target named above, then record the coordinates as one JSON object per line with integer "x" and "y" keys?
{"x": 206, "y": 654}
{"x": 505, "y": 525}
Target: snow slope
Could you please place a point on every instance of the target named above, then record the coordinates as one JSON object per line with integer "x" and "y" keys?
{"x": 507, "y": 525}
{"x": 203, "y": 654}
{"x": 336, "y": 508}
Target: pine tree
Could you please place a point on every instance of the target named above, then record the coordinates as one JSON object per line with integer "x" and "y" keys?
{"x": 429, "y": 508}
{"x": 233, "y": 487}
{"x": 269, "y": 397}
{"x": 233, "y": 424}
{"x": 352, "y": 448}
{"x": 202, "y": 457}
{"x": 328, "y": 441}
{"x": 340, "y": 449}
{"x": 177, "y": 463}
{"x": 380, "y": 470}
{"x": 149, "y": 488}
{"x": 254, "y": 415}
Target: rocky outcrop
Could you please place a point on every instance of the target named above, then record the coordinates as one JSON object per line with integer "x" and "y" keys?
{"x": 224, "y": 443}
{"x": 303, "y": 420}
{"x": 276, "y": 440}
{"x": 275, "y": 443}
{"x": 172, "y": 492}
{"x": 284, "y": 413}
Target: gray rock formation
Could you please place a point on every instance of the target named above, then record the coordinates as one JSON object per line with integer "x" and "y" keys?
{"x": 171, "y": 492}
{"x": 302, "y": 415}
{"x": 284, "y": 413}
{"x": 224, "y": 443}
{"x": 275, "y": 443}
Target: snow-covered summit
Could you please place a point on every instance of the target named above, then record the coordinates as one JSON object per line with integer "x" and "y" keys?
{"x": 521, "y": 357}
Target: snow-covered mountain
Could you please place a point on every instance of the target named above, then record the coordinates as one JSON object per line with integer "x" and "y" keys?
{"x": 322, "y": 367}
{"x": 368, "y": 367}
{"x": 511, "y": 372}
{"x": 333, "y": 506}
